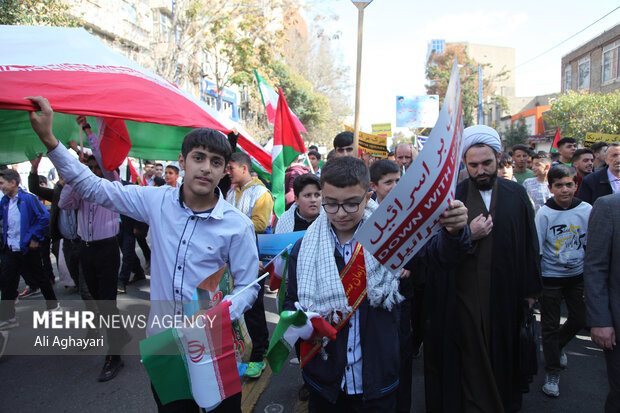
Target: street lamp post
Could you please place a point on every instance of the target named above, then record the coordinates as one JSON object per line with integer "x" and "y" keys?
{"x": 480, "y": 113}
{"x": 361, "y": 5}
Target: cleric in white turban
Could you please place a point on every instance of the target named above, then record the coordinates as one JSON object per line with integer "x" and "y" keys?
{"x": 481, "y": 134}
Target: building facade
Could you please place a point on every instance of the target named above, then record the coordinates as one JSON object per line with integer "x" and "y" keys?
{"x": 594, "y": 66}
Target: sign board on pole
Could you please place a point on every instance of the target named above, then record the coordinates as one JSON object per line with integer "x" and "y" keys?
{"x": 409, "y": 216}
{"x": 416, "y": 111}
{"x": 382, "y": 129}
{"x": 372, "y": 144}
{"x": 592, "y": 137}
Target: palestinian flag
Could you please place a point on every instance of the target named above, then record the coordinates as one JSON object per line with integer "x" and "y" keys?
{"x": 79, "y": 75}
{"x": 196, "y": 362}
{"x": 554, "y": 145}
{"x": 270, "y": 100}
{"x": 292, "y": 326}
{"x": 287, "y": 146}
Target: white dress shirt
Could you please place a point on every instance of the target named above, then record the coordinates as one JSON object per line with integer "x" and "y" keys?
{"x": 352, "y": 379}
{"x": 13, "y": 232}
{"x": 187, "y": 247}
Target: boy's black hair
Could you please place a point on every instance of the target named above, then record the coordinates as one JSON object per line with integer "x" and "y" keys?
{"x": 597, "y": 146}
{"x": 92, "y": 158}
{"x": 521, "y": 147}
{"x": 543, "y": 157}
{"x": 564, "y": 141}
{"x": 42, "y": 180}
{"x": 10, "y": 175}
{"x": 313, "y": 148}
{"x": 343, "y": 139}
{"x": 214, "y": 141}
{"x": 172, "y": 167}
{"x": 579, "y": 153}
{"x": 345, "y": 171}
{"x": 303, "y": 181}
{"x": 560, "y": 171}
{"x": 149, "y": 162}
{"x": 505, "y": 160}
{"x": 381, "y": 168}
{"x": 242, "y": 158}
{"x": 330, "y": 155}
{"x": 158, "y": 181}
{"x": 159, "y": 164}
{"x": 554, "y": 156}
{"x": 316, "y": 154}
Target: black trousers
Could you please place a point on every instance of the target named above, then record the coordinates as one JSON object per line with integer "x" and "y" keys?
{"x": 257, "y": 326}
{"x": 144, "y": 246}
{"x": 351, "y": 404}
{"x": 230, "y": 405}
{"x": 99, "y": 263}
{"x": 554, "y": 335}
{"x": 29, "y": 265}
{"x": 46, "y": 263}
{"x": 130, "y": 262}
{"x": 71, "y": 251}
{"x": 612, "y": 358}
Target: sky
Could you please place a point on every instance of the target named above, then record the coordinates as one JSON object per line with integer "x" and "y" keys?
{"x": 397, "y": 32}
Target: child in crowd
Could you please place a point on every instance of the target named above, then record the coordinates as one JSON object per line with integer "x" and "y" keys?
{"x": 384, "y": 175}
{"x": 195, "y": 231}
{"x": 537, "y": 188}
{"x": 562, "y": 225}
{"x": 329, "y": 273}
{"x": 505, "y": 168}
{"x": 305, "y": 209}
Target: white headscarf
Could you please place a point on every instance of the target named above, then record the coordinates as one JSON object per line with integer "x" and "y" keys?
{"x": 481, "y": 134}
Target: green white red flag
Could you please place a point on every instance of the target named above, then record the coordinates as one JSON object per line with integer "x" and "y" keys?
{"x": 270, "y": 100}
{"x": 287, "y": 146}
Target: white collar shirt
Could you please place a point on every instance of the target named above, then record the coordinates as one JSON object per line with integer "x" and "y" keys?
{"x": 13, "y": 232}
{"x": 187, "y": 247}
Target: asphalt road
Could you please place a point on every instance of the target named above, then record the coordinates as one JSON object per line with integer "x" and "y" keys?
{"x": 68, "y": 383}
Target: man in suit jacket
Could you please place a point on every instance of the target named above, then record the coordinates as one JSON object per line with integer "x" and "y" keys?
{"x": 604, "y": 181}
{"x": 602, "y": 287}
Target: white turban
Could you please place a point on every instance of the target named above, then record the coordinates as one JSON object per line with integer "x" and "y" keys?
{"x": 481, "y": 134}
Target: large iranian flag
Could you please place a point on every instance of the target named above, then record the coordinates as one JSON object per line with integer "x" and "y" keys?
{"x": 81, "y": 76}
{"x": 270, "y": 100}
{"x": 287, "y": 146}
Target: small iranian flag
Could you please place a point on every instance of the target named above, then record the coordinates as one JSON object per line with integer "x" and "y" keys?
{"x": 270, "y": 100}
{"x": 287, "y": 146}
{"x": 554, "y": 145}
{"x": 196, "y": 362}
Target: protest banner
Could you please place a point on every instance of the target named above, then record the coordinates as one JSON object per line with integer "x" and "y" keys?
{"x": 409, "y": 216}
{"x": 372, "y": 144}
{"x": 416, "y": 111}
{"x": 382, "y": 129}
{"x": 270, "y": 245}
{"x": 592, "y": 138}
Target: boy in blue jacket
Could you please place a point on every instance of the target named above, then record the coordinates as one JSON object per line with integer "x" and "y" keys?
{"x": 25, "y": 223}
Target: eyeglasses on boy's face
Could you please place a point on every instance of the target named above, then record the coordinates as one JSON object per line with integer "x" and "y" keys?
{"x": 348, "y": 207}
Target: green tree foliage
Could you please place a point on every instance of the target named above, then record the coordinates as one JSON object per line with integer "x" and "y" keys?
{"x": 439, "y": 68}
{"x": 577, "y": 113}
{"x": 515, "y": 134}
{"x": 36, "y": 13}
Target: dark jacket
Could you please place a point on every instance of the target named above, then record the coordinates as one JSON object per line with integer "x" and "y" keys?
{"x": 594, "y": 186}
{"x": 378, "y": 328}
{"x": 50, "y": 195}
{"x": 34, "y": 219}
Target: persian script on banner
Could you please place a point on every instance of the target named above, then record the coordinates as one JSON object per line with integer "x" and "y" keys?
{"x": 409, "y": 216}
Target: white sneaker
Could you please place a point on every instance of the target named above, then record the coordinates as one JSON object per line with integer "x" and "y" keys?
{"x": 563, "y": 359}
{"x": 4, "y": 338}
{"x": 10, "y": 323}
{"x": 54, "y": 310}
{"x": 552, "y": 385}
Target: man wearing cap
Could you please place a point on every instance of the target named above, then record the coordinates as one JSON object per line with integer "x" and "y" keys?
{"x": 472, "y": 348}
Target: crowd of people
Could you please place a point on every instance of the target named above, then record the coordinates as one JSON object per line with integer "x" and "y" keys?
{"x": 513, "y": 241}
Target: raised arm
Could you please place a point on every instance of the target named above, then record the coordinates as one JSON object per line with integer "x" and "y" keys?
{"x": 93, "y": 142}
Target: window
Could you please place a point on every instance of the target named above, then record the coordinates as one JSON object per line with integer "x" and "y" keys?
{"x": 162, "y": 24}
{"x": 583, "y": 82}
{"x": 611, "y": 65}
{"x": 568, "y": 78}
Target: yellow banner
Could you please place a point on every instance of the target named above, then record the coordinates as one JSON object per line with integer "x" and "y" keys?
{"x": 593, "y": 137}
{"x": 372, "y": 144}
{"x": 382, "y": 129}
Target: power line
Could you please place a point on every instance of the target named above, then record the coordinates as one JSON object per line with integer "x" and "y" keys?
{"x": 565, "y": 40}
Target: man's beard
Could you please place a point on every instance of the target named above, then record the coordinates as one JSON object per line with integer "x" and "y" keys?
{"x": 485, "y": 185}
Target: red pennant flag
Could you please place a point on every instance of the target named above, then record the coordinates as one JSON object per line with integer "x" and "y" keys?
{"x": 132, "y": 171}
{"x": 115, "y": 143}
{"x": 554, "y": 145}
